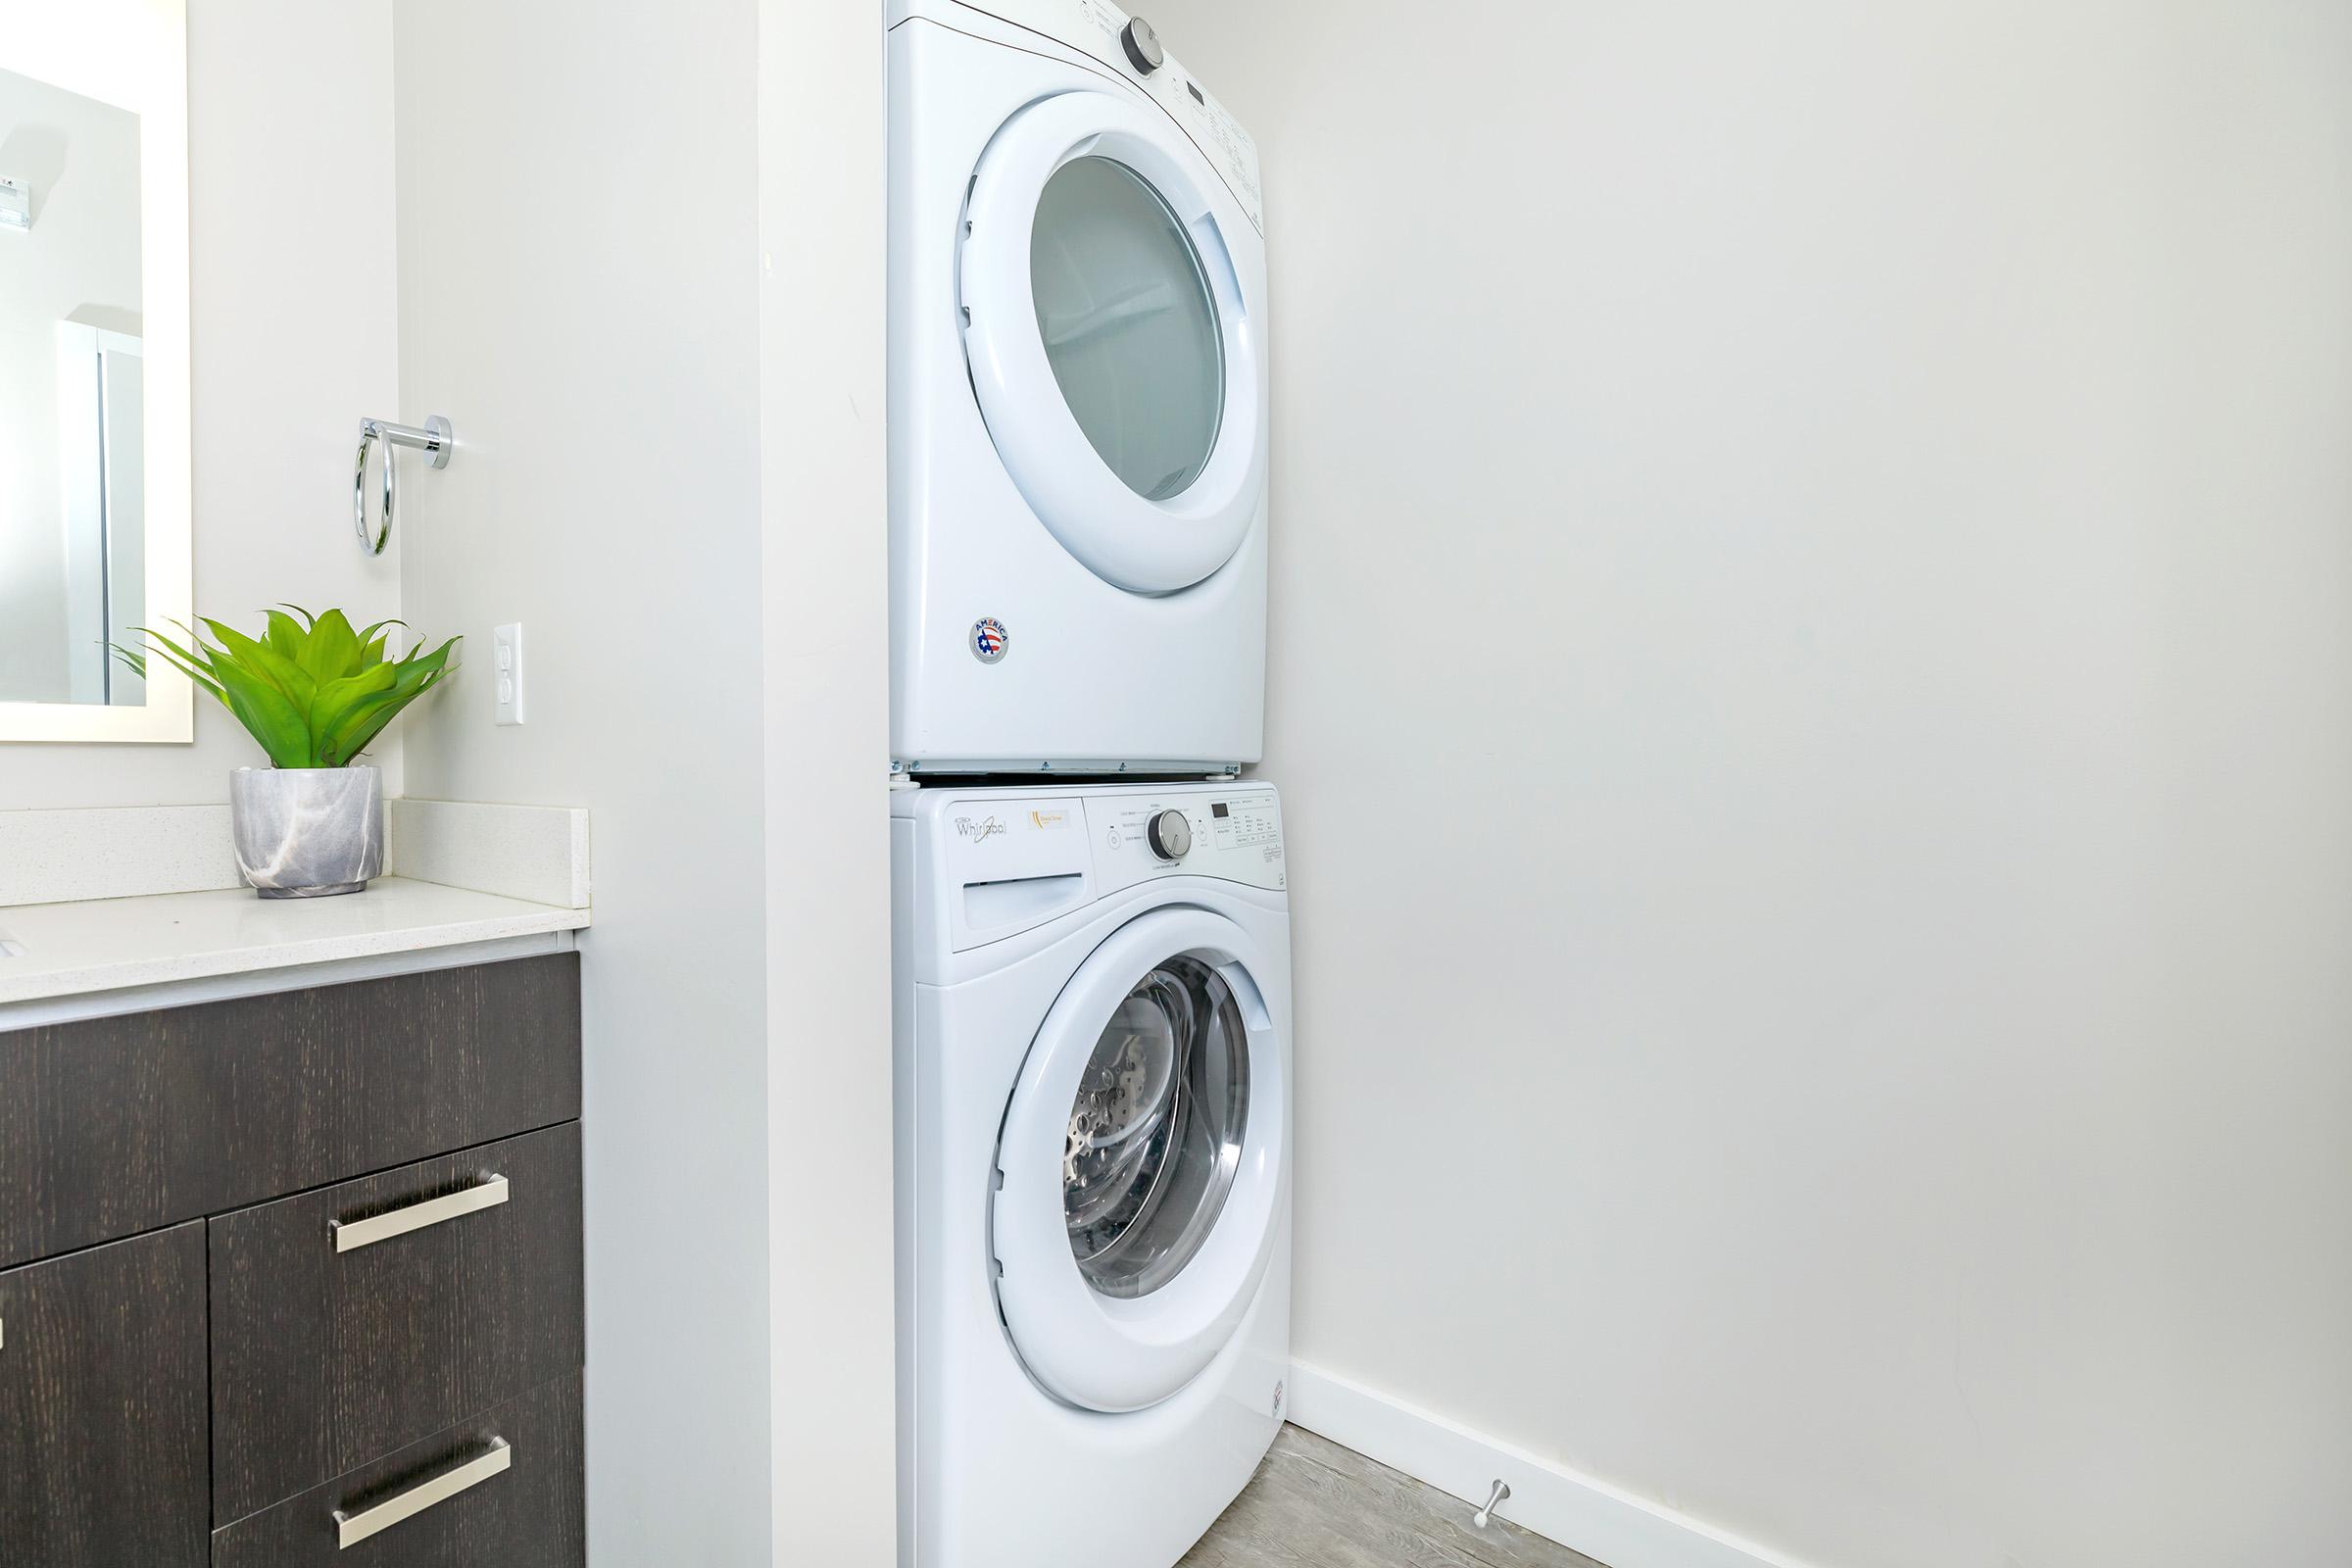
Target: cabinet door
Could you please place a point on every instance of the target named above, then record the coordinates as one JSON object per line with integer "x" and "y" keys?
{"x": 102, "y": 1407}
{"x": 110, "y": 1127}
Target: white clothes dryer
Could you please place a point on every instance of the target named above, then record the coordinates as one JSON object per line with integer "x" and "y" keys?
{"x": 1078, "y": 399}
{"x": 1093, "y": 1070}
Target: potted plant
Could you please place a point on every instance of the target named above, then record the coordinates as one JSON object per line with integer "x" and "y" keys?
{"x": 314, "y": 694}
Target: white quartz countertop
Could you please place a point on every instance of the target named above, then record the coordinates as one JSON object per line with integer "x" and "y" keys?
{"x": 103, "y": 944}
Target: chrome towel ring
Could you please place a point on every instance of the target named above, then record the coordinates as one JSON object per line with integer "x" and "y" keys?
{"x": 436, "y": 440}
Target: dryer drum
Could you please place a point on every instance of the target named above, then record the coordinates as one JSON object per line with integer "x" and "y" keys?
{"x": 1129, "y": 323}
{"x": 1155, "y": 1131}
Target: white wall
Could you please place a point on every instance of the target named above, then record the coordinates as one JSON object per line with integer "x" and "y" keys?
{"x": 824, "y": 498}
{"x": 578, "y": 271}
{"x": 1812, "y": 669}
{"x": 640, "y": 266}
{"x": 290, "y": 159}
{"x": 639, "y": 259}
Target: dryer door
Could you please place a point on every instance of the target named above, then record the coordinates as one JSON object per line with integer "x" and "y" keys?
{"x": 1142, "y": 1164}
{"x": 1113, "y": 349}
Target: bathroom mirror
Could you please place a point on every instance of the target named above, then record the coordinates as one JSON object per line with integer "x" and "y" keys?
{"x": 94, "y": 470}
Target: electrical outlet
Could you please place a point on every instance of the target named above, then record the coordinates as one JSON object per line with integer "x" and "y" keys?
{"x": 505, "y": 670}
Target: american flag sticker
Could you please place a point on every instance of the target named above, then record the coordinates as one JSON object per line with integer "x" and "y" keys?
{"x": 990, "y": 640}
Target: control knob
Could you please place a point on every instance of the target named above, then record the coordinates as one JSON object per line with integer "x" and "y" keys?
{"x": 1169, "y": 834}
{"x": 1142, "y": 46}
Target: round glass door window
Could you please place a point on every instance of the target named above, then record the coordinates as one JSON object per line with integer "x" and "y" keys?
{"x": 1155, "y": 1131}
{"x": 1129, "y": 324}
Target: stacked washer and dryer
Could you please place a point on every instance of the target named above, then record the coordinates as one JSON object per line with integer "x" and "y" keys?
{"x": 1092, "y": 932}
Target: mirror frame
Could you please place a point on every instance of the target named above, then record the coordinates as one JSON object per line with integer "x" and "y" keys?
{"x": 133, "y": 54}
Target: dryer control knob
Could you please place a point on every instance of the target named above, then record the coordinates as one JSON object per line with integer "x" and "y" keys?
{"x": 1170, "y": 834}
{"x": 1142, "y": 46}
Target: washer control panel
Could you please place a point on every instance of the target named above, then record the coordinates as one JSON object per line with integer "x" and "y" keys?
{"x": 1230, "y": 831}
{"x": 1004, "y": 861}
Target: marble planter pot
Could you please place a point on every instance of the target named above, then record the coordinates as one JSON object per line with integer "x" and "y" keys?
{"x": 308, "y": 832}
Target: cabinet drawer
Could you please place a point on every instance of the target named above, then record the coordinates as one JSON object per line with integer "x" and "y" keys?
{"x": 102, "y": 1407}
{"x": 114, "y": 1126}
{"x": 351, "y": 1321}
{"x": 503, "y": 1489}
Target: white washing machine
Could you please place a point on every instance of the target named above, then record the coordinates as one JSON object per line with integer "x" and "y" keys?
{"x": 1078, "y": 399}
{"x": 1093, "y": 1080}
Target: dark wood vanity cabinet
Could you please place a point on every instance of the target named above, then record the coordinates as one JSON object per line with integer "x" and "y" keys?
{"x": 102, "y": 1417}
{"x": 529, "y": 1512}
{"x": 296, "y": 1279}
{"x": 323, "y": 1361}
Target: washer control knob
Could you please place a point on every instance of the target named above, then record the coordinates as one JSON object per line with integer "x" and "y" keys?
{"x": 1170, "y": 835}
{"x": 1142, "y": 46}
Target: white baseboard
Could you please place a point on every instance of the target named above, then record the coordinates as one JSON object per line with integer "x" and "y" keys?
{"x": 1579, "y": 1512}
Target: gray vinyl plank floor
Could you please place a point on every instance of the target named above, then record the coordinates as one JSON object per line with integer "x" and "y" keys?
{"x": 1314, "y": 1505}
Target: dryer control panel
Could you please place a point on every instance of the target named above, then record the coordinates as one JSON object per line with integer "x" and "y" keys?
{"x": 1108, "y": 33}
{"x": 1233, "y": 832}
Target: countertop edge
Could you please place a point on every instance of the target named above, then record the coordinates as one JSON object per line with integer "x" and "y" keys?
{"x": 168, "y": 940}
{"x": 158, "y": 996}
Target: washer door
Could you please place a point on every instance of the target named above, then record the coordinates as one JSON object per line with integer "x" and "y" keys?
{"x": 1141, "y": 1164}
{"x": 1111, "y": 348}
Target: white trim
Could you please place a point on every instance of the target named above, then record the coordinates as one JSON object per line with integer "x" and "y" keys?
{"x": 1585, "y": 1514}
{"x": 133, "y": 54}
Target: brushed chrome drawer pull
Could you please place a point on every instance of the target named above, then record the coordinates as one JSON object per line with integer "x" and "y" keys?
{"x": 353, "y": 1528}
{"x": 355, "y": 1234}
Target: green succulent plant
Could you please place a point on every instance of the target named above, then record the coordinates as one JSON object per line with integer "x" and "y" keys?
{"x": 312, "y": 691}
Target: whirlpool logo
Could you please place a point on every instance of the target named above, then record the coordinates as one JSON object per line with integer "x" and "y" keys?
{"x": 979, "y": 832}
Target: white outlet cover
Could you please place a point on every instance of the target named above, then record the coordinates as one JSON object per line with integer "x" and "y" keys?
{"x": 506, "y": 672}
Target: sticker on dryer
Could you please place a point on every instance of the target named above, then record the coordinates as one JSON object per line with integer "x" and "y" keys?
{"x": 1106, "y": 17}
{"x": 990, "y": 640}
